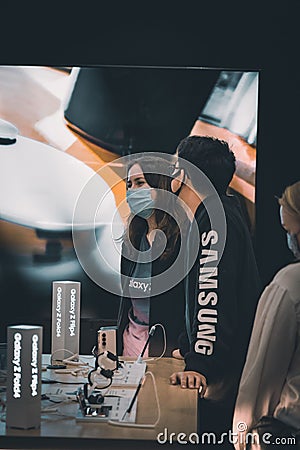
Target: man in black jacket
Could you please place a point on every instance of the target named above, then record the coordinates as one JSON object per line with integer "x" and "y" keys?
{"x": 222, "y": 287}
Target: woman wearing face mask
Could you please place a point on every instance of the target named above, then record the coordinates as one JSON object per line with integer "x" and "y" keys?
{"x": 151, "y": 245}
{"x": 269, "y": 393}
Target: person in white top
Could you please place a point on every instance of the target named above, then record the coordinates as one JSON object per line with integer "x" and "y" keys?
{"x": 268, "y": 402}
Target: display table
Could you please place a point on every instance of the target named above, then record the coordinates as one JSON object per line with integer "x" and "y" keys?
{"x": 60, "y": 429}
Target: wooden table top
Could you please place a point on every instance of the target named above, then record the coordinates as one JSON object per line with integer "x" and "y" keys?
{"x": 178, "y": 412}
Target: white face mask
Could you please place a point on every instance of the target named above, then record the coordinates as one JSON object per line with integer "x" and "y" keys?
{"x": 140, "y": 202}
{"x": 293, "y": 245}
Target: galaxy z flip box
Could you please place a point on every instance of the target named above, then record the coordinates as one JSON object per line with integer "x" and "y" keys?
{"x": 23, "y": 389}
{"x": 65, "y": 319}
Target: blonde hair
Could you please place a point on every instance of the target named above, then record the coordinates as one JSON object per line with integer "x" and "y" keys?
{"x": 290, "y": 199}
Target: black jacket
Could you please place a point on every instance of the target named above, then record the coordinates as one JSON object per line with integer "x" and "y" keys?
{"x": 166, "y": 308}
{"x": 222, "y": 306}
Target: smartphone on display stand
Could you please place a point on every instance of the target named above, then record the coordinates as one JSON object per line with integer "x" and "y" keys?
{"x": 107, "y": 339}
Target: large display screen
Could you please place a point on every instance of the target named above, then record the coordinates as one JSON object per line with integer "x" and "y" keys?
{"x": 62, "y": 125}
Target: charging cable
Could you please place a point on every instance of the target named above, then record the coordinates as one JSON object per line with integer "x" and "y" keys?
{"x": 165, "y": 342}
{"x": 72, "y": 360}
{"x": 139, "y": 358}
{"x": 151, "y": 333}
{"x": 134, "y": 398}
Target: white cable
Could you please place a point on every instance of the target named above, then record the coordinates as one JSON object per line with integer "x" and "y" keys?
{"x": 60, "y": 398}
{"x": 120, "y": 374}
{"x": 67, "y": 361}
{"x": 95, "y": 383}
{"x": 164, "y": 349}
{"x": 165, "y": 341}
{"x": 49, "y": 409}
{"x": 141, "y": 425}
{"x": 60, "y": 350}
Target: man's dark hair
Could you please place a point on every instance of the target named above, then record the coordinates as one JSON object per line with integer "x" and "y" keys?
{"x": 212, "y": 156}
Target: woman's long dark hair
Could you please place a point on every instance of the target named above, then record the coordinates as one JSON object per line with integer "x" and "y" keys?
{"x": 157, "y": 172}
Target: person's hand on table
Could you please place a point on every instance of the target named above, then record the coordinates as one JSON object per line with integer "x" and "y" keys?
{"x": 190, "y": 380}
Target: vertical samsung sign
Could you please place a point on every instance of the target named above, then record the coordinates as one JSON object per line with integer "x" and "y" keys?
{"x": 24, "y": 353}
{"x": 65, "y": 318}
